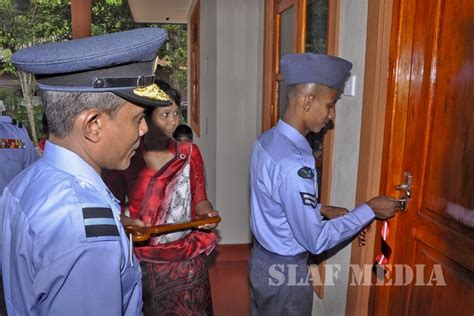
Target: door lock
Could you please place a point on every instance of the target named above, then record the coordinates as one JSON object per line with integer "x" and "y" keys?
{"x": 406, "y": 188}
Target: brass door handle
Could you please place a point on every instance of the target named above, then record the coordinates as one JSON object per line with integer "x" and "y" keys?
{"x": 406, "y": 188}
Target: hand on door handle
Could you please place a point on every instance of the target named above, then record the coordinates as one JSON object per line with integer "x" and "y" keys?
{"x": 384, "y": 207}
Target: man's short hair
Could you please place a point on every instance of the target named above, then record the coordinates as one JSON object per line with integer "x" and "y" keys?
{"x": 62, "y": 108}
{"x": 303, "y": 88}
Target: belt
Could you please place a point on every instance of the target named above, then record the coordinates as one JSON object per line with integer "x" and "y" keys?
{"x": 299, "y": 256}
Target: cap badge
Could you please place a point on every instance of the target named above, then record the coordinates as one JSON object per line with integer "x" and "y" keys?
{"x": 152, "y": 92}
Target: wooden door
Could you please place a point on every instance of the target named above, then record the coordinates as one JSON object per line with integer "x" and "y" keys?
{"x": 283, "y": 33}
{"x": 430, "y": 133}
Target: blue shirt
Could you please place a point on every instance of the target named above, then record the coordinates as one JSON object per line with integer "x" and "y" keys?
{"x": 63, "y": 250}
{"x": 285, "y": 217}
{"x": 21, "y": 155}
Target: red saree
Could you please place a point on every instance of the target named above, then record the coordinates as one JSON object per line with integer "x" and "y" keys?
{"x": 173, "y": 265}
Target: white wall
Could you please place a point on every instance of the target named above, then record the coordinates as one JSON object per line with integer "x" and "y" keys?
{"x": 352, "y": 41}
{"x": 208, "y": 88}
{"x": 231, "y": 97}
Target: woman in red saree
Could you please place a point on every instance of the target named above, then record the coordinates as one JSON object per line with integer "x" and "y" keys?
{"x": 165, "y": 184}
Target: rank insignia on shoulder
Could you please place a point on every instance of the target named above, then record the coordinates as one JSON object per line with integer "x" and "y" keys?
{"x": 306, "y": 173}
{"x": 309, "y": 199}
{"x": 99, "y": 222}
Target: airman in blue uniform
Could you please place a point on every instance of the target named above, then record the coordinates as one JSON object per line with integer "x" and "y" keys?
{"x": 16, "y": 153}
{"x": 286, "y": 219}
{"x": 63, "y": 250}
{"x": 16, "y": 149}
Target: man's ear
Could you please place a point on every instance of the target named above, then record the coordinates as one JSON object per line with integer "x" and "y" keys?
{"x": 308, "y": 101}
{"x": 92, "y": 125}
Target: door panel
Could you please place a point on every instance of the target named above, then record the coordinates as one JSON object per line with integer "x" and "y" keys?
{"x": 433, "y": 300}
{"x": 431, "y": 135}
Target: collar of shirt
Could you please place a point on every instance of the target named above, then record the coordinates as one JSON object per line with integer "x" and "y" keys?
{"x": 297, "y": 139}
{"x": 71, "y": 163}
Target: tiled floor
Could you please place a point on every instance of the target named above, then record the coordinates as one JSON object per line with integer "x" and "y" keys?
{"x": 229, "y": 280}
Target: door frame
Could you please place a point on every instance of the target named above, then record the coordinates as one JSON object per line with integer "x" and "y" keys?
{"x": 370, "y": 167}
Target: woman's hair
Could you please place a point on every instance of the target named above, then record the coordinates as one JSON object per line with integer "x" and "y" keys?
{"x": 62, "y": 108}
{"x": 170, "y": 91}
{"x": 174, "y": 95}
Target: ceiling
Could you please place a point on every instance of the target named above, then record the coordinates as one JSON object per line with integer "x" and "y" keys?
{"x": 159, "y": 11}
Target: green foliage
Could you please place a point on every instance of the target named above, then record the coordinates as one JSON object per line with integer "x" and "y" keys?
{"x": 42, "y": 22}
{"x": 50, "y": 21}
{"x": 110, "y": 17}
{"x": 10, "y": 99}
{"x": 37, "y": 22}
{"x": 22, "y": 116}
{"x": 316, "y": 26}
{"x": 18, "y": 112}
{"x": 175, "y": 52}
{"x": 104, "y": 20}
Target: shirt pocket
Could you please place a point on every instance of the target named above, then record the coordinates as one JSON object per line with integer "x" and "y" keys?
{"x": 11, "y": 162}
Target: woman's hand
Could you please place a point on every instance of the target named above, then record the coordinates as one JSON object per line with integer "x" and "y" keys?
{"x": 210, "y": 213}
{"x": 129, "y": 221}
{"x": 205, "y": 209}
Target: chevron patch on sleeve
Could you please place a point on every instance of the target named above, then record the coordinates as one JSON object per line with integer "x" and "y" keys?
{"x": 309, "y": 199}
{"x": 99, "y": 222}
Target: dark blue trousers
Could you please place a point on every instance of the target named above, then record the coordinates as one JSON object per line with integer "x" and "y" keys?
{"x": 3, "y": 306}
{"x": 279, "y": 285}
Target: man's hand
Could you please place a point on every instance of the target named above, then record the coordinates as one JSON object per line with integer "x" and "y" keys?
{"x": 331, "y": 212}
{"x": 384, "y": 206}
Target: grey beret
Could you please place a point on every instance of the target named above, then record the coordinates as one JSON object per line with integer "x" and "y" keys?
{"x": 323, "y": 69}
{"x": 123, "y": 63}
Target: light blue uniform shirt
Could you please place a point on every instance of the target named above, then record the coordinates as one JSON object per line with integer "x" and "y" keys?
{"x": 63, "y": 250}
{"x": 285, "y": 216}
{"x": 14, "y": 160}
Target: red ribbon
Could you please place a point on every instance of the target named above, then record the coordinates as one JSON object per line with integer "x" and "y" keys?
{"x": 382, "y": 258}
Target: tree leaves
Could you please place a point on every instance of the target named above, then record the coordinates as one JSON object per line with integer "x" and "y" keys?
{"x": 50, "y": 21}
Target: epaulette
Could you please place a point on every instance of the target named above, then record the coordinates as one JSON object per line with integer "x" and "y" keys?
{"x": 99, "y": 222}
{"x": 17, "y": 123}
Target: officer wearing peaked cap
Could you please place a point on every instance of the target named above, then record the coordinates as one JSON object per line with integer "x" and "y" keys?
{"x": 286, "y": 219}
{"x": 63, "y": 250}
